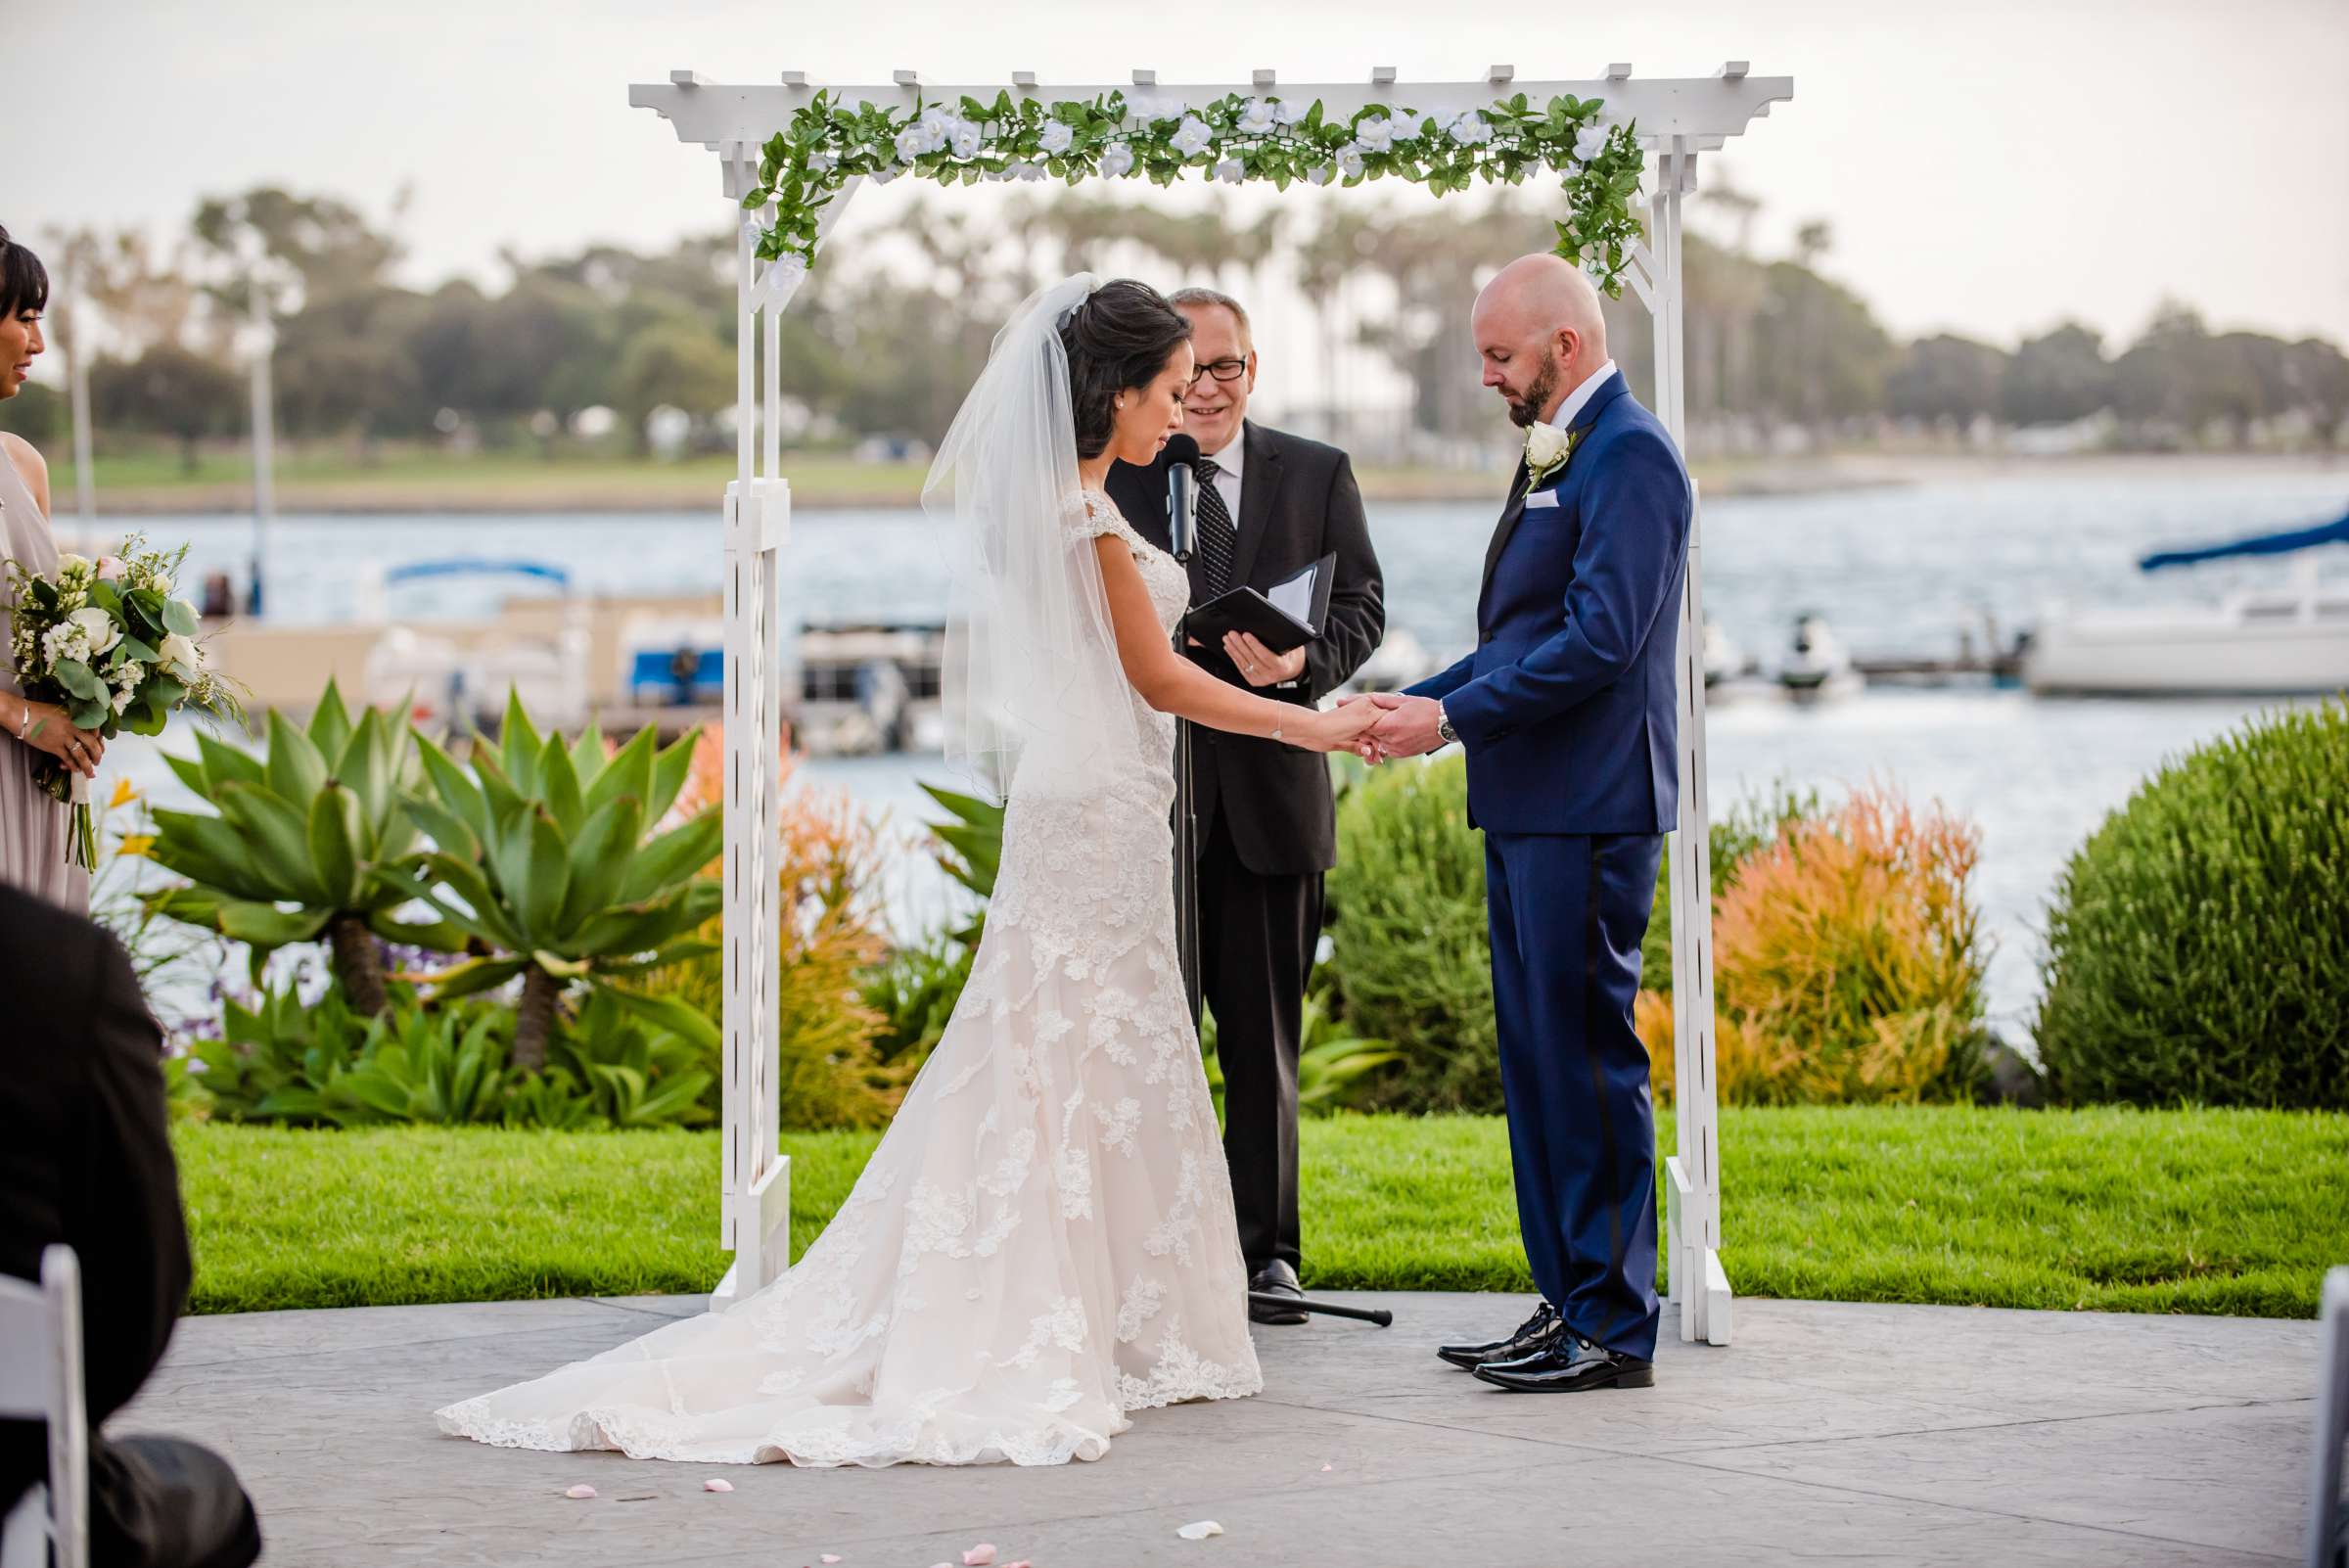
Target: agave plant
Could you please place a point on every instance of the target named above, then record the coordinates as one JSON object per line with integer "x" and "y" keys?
{"x": 969, "y": 848}
{"x": 313, "y": 839}
{"x": 542, "y": 857}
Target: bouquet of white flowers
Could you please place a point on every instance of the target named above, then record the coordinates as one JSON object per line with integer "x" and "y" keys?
{"x": 106, "y": 641}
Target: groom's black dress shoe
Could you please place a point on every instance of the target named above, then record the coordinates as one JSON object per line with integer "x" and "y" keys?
{"x": 1534, "y": 1334}
{"x": 1276, "y": 1279}
{"x": 1569, "y": 1364}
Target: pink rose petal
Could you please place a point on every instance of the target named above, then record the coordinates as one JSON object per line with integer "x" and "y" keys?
{"x": 979, "y": 1556}
{"x": 1199, "y": 1531}
{"x": 716, "y": 1484}
{"x": 829, "y": 1556}
{"x": 582, "y": 1491}
{"x": 1325, "y": 1469}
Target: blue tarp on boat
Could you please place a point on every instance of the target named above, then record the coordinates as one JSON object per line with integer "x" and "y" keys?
{"x": 2334, "y": 533}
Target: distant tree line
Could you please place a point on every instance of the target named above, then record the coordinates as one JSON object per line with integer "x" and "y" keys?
{"x": 891, "y": 330}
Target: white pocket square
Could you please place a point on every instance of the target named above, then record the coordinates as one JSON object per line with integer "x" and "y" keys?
{"x": 1541, "y": 498}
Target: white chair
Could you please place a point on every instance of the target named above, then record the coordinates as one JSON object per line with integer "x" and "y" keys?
{"x": 2327, "y": 1521}
{"x": 40, "y": 1378}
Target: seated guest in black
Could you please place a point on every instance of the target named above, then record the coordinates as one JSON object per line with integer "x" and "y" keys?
{"x": 85, "y": 1160}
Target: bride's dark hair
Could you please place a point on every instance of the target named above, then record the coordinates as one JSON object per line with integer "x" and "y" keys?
{"x": 1118, "y": 338}
{"x": 23, "y": 281}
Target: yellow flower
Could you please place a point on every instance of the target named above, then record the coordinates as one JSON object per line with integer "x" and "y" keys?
{"x": 123, "y": 795}
{"x": 136, "y": 844}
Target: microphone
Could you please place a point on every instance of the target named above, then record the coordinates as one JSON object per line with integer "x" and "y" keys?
{"x": 1182, "y": 495}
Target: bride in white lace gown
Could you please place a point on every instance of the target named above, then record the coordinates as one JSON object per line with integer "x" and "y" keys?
{"x": 1043, "y": 1241}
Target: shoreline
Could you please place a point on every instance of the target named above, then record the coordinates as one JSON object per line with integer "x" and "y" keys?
{"x": 637, "y": 489}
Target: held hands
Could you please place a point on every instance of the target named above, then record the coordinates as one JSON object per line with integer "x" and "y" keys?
{"x": 1401, "y": 726}
{"x": 1341, "y": 728}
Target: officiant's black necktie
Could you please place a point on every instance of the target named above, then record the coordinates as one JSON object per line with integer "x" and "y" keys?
{"x": 1216, "y": 543}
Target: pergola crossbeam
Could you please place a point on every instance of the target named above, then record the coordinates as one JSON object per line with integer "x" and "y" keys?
{"x": 1661, "y": 106}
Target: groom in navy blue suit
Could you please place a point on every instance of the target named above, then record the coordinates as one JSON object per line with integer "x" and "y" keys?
{"x": 1568, "y": 713}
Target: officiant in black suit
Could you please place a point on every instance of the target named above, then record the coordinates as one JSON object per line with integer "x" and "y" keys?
{"x": 1270, "y": 506}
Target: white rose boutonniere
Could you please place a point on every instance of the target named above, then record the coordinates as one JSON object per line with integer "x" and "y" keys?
{"x": 1546, "y": 449}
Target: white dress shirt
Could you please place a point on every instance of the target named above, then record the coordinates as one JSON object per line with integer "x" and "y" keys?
{"x": 1575, "y": 400}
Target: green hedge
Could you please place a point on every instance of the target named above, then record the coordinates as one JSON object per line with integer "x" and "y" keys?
{"x": 2198, "y": 945}
{"x": 1410, "y": 949}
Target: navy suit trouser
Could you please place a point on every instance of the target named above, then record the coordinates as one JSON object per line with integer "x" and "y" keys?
{"x": 1568, "y": 913}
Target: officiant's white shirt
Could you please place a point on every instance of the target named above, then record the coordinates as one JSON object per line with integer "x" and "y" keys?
{"x": 1575, "y": 400}
{"x": 1227, "y": 473}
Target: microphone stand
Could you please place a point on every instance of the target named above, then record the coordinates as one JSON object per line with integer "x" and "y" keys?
{"x": 1186, "y": 930}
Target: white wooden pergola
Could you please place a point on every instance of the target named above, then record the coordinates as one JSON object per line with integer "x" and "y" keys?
{"x": 1676, "y": 119}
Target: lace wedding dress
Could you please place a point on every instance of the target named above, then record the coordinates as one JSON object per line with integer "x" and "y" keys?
{"x": 1044, "y": 1239}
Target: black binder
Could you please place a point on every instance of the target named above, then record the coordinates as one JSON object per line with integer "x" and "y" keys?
{"x": 1245, "y": 609}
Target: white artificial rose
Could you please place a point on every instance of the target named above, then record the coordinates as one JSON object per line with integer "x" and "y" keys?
{"x": 1192, "y": 136}
{"x": 966, "y": 139}
{"x": 1350, "y": 160}
{"x": 1469, "y": 130}
{"x": 780, "y": 282}
{"x": 1023, "y": 169}
{"x": 69, "y": 563}
{"x": 1545, "y": 447}
{"x": 1375, "y": 134}
{"x": 97, "y": 630}
{"x": 1056, "y": 137}
{"x": 1232, "y": 171}
{"x": 913, "y": 142}
{"x": 1318, "y": 175}
{"x": 1116, "y": 159}
{"x": 1259, "y": 117}
{"x": 1289, "y": 113}
{"x": 181, "y": 654}
{"x": 1589, "y": 141}
{"x": 887, "y": 173}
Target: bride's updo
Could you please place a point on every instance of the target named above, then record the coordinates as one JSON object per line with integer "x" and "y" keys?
{"x": 1118, "y": 340}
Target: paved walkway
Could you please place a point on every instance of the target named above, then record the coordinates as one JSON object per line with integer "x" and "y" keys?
{"x": 1859, "y": 1433}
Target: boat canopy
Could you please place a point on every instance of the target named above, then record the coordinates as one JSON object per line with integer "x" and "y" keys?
{"x": 2334, "y": 533}
{"x": 475, "y": 566}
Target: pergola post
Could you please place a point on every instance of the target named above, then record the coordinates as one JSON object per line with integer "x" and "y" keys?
{"x": 1697, "y": 1282}
{"x": 1676, "y": 119}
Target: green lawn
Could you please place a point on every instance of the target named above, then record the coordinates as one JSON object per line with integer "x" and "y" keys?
{"x": 2180, "y": 1211}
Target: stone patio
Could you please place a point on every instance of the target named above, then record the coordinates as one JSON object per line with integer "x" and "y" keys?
{"x": 1862, "y": 1433}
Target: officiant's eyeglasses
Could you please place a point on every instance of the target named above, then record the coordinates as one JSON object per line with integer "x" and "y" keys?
{"x": 1221, "y": 369}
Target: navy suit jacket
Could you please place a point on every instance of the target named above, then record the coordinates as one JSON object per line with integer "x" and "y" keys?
{"x": 1567, "y": 709}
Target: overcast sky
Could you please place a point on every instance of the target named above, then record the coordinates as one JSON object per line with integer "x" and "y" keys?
{"x": 1986, "y": 167}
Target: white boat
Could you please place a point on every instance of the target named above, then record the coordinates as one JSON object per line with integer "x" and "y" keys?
{"x": 1725, "y": 661}
{"x": 2271, "y": 642}
{"x": 1818, "y": 665}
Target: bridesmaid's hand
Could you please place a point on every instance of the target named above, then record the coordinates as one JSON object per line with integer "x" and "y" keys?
{"x": 48, "y": 730}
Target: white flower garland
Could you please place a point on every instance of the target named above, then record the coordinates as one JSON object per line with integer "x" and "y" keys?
{"x": 1234, "y": 139}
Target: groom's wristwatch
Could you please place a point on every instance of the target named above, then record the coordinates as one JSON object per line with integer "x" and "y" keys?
{"x": 1444, "y": 729}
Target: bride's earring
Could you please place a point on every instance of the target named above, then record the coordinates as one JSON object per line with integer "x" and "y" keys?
{"x": 1120, "y": 406}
